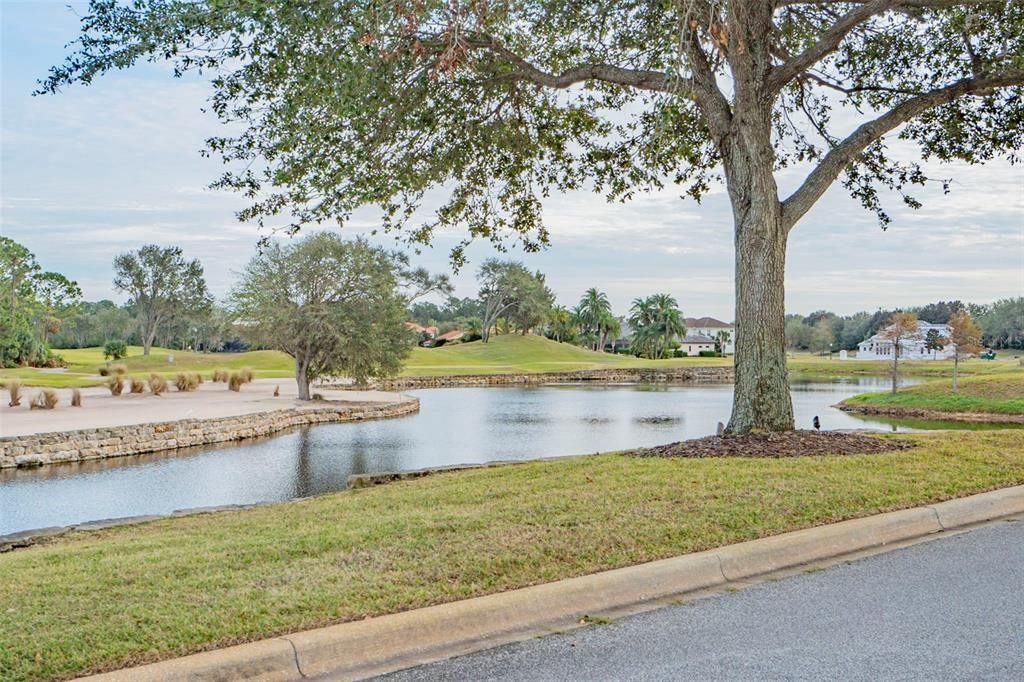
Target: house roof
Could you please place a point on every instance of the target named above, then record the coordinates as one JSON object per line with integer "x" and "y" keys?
{"x": 420, "y": 329}
{"x": 698, "y": 338}
{"x": 706, "y": 322}
{"x": 452, "y": 335}
{"x": 922, "y": 330}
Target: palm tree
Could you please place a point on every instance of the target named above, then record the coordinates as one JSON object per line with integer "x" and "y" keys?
{"x": 561, "y": 324}
{"x": 591, "y": 311}
{"x": 656, "y": 320}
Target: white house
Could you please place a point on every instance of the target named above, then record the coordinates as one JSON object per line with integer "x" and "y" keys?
{"x": 709, "y": 327}
{"x": 693, "y": 344}
{"x": 877, "y": 347}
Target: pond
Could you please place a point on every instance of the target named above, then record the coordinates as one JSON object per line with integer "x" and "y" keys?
{"x": 454, "y": 426}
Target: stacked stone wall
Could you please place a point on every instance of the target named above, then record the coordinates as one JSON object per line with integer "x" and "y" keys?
{"x": 119, "y": 441}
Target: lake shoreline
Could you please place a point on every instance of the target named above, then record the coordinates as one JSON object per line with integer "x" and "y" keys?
{"x": 929, "y": 414}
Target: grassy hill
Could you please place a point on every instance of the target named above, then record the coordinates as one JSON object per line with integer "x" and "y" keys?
{"x": 526, "y": 354}
{"x": 991, "y": 394}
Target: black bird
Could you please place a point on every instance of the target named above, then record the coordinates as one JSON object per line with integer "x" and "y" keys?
{"x": 817, "y": 423}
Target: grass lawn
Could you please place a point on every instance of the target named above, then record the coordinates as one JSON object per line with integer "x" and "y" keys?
{"x": 514, "y": 354}
{"x": 993, "y": 394}
{"x": 811, "y": 365}
{"x": 83, "y": 364}
{"x": 503, "y": 354}
{"x": 95, "y": 601}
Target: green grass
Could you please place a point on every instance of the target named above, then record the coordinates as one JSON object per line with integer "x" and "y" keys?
{"x": 990, "y": 394}
{"x": 513, "y": 353}
{"x": 84, "y": 363}
{"x": 811, "y": 365}
{"x": 504, "y": 354}
{"x": 95, "y": 601}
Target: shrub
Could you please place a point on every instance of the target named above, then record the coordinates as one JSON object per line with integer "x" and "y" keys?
{"x": 14, "y": 390}
{"x": 119, "y": 369}
{"x": 116, "y": 384}
{"x": 115, "y": 349}
{"x": 137, "y": 385}
{"x": 246, "y": 374}
{"x": 46, "y": 399}
{"x": 157, "y": 384}
{"x": 235, "y": 382}
{"x": 76, "y": 398}
{"x": 709, "y": 354}
{"x": 220, "y": 376}
{"x": 104, "y": 371}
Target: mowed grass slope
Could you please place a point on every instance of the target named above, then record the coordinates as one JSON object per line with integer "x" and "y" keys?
{"x": 513, "y": 353}
{"x": 990, "y": 394}
{"x": 503, "y": 354}
{"x": 94, "y": 601}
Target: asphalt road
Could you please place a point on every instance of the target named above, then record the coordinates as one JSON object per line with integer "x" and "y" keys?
{"x": 950, "y": 609}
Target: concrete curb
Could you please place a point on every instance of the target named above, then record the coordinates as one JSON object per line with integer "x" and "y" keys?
{"x": 373, "y": 646}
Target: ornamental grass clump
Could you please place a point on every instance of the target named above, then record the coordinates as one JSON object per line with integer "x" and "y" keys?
{"x": 220, "y": 376}
{"x": 137, "y": 385}
{"x": 188, "y": 381}
{"x": 76, "y": 398}
{"x": 235, "y": 382}
{"x": 157, "y": 384}
{"x": 46, "y": 399}
{"x": 116, "y": 384}
{"x": 246, "y": 374}
{"x": 118, "y": 369}
{"x": 14, "y": 391}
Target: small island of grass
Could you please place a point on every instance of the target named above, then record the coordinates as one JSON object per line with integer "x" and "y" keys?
{"x": 997, "y": 397}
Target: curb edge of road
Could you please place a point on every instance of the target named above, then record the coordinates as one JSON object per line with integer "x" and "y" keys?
{"x": 358, "y": 649}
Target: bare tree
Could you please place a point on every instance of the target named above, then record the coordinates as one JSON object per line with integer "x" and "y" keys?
{"x": 903, "y": 327}
{"x": 965, "y": 335}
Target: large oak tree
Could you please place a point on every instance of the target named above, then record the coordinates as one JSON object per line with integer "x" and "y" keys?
{"x": 345, "y": 103}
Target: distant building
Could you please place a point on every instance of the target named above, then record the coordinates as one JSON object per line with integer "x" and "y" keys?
{"x": 878, "y": 347}
{"x": 693, "y": 344}
{"x": 429, "y": 332}
{"x": 709, "y": 327}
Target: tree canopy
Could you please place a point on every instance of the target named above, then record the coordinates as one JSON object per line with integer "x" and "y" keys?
{"x": 162, "y": 288}
{"x": 348, "y": 103}
{"x": 336, "y": 306}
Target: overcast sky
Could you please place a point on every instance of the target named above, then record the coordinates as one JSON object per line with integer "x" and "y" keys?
{"x": 100, "y": 170}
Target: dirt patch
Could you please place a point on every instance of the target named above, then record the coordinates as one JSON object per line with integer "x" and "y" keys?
{"x": 790, "y": 444}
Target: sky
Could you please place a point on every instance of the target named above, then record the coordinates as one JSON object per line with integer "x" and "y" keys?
{"x": 99, "y": 170}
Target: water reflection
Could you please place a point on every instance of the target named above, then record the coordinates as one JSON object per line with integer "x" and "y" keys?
{"x": 454, "y": 426}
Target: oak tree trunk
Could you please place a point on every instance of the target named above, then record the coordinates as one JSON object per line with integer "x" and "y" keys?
{"x": 302, "y": 377}
{"x": 761, "y": 399}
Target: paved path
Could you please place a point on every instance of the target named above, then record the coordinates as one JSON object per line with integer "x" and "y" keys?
{"x": 950, "y": 609}
{"x": 100, "y": 409}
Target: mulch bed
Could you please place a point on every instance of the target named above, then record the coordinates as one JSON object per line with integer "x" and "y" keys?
{"x": 789, "y": 444}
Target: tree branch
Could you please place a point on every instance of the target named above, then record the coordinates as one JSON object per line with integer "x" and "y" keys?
{"x": 828, "y": 42}
{"x": 846, "y": 151}
{"x": 642, "y": 79}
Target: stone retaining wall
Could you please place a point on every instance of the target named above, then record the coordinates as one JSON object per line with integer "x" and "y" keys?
{"x": 119, "y": 441}
{"x": 646, "y": 375}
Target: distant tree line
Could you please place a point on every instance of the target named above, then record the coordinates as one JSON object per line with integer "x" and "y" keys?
{"x": 1002, "y": 324}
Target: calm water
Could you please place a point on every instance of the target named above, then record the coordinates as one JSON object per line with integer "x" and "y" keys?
{"x": 454, "y": 426}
